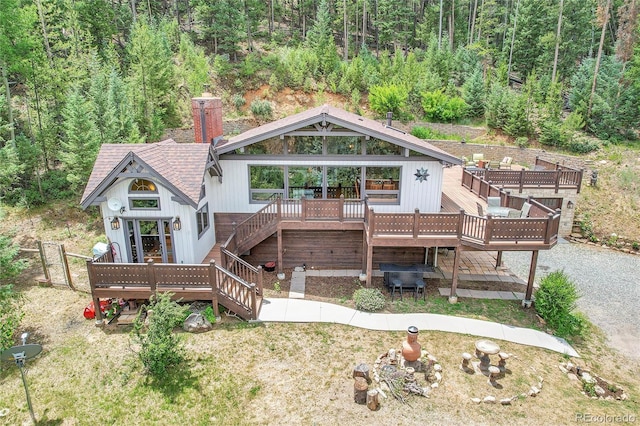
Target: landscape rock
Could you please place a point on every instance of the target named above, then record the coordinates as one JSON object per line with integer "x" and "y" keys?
{"x": 505, "y": 401}
{"x": 196, "y": 323}
{"x": 476, "y": 400}
{"x": 599, "y": 391}
{"x": 489, "y": 399}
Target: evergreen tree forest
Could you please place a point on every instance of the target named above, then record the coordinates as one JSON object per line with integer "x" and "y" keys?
{"x": 76, "y": 74}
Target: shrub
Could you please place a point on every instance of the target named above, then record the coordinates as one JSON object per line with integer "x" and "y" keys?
{"x": 209, "y": 314}
{"x": 555, "y": 301}
{"x": 368, "y": 299}
{"x": 160, "y": 349}
{"x": 522, "y": 142}
{"x": 439, "y": 106}
{"x": 427, "y": 133}
{"x": 261, "y": 109}
{"x": 10, "y": 315}
{"x": 389, "y": 98}
{"x": 238, "y": 101}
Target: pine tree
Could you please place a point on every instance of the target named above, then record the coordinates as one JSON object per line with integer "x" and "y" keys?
{"x": 151, "y": 79}
{"x": 81, "y": 139}
{"x": 320, "y": 40}
{"x": 474, "y": 94}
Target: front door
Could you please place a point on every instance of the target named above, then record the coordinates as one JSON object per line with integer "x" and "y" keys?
{"x": 149, "y": 239}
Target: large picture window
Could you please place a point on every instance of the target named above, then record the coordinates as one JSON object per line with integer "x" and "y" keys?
{"x": 382, "y": 184}
{"x": 202, "y": 219}
{"x": 266, "y": 183}
{"x": 304, "y": 145}
{"x": 380, "y": 147}
{"x": 341, "y": 145}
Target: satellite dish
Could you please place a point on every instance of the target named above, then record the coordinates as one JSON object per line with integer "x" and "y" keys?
{"x": 114, "y": 204}
{"x": 22, "y": 352}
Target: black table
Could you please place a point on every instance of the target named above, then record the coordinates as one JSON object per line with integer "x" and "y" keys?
{"x": 390, "y": 270}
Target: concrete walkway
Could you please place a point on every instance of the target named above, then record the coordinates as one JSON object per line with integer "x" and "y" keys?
{"x": 296, "y": 310}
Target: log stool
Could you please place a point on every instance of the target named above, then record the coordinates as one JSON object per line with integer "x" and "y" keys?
{"x": 493, "y": 375}
{"x": 502, "y": 364}
{"x": 466, "y": 358}
{"x": 360, "y": 388}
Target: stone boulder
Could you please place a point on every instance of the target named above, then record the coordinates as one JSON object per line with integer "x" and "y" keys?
{"x": 196, "y": 323}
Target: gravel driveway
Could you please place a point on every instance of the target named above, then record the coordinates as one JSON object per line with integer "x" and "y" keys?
{"x": 608, "y": 280}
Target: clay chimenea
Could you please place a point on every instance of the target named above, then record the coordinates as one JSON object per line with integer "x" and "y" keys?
{"x": 411, "y": 349}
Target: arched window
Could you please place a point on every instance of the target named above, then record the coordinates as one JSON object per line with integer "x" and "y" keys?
{"x": 139, "y": 199}
{"x": 143, "y": 185}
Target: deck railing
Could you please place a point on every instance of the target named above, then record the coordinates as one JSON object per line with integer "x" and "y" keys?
{"x": 187, "y": 282}
{"x": 559, "y": 177}
{"x": 541, "y": 227}
{"x": 237, "y": 266}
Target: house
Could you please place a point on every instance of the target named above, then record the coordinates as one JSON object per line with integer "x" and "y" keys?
{"x": 146, "y": 192}
{"x": 324, "y": 187}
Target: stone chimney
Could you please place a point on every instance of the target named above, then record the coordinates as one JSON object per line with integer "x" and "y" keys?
{"x": 207, "y": 118}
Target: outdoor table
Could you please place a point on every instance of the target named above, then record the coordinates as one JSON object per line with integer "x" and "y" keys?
{"x": 499, "y": 211}
{"x": 484, "y": 348}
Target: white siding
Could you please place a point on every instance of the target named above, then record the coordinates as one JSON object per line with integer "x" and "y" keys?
{"x": 232, "y": 195}
{"x": 187, "y": 247}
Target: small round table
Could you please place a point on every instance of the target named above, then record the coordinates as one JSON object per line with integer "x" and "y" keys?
{"x": 484, "y": 348}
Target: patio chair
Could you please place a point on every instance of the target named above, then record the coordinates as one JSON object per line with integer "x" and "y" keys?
{"x": 467, "y": 162}
{"x": 506, "y": 163}
{"x": 525, "y": 210}
{"x": 476, "y": 158}
{"x": 494, "y": 164}
{"x": 480, "y": 209}
{"x": 493, "y": 202}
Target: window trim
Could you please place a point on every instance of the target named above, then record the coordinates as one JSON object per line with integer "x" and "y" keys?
{"x": 200, "y": 213}
{"x": 133, "y": 199}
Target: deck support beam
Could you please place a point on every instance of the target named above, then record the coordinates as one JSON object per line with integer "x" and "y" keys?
{"x": 369, "y": 264}
{"x": 453, "y": 298}
{"x": 526, "y": 303}
{"x": 499, "y": 259}
{"x": 280, "y": 251}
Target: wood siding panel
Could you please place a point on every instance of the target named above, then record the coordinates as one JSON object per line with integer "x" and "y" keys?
{"x": 329, "y": 250}
{"x": 232, "y": 195}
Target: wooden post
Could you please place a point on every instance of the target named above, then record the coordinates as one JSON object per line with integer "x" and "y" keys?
{"x": 499, "y": 259}
{"x": 416, "y": 223}
{"x": 373, "y": 403}
{"x": 369, "y": 263}
{"x": 547, "y": 231}
{"x": 360, "y": 388}
{"x": 557, "y": 183}
{"x": 453, "y": 298}
{"x": 341, "y": 208}
{"x": 151, "y": 276}
{"x": 214, "y": 287}
{"x": 260, "y": 280}
{"x": 65, "y": 266}
{"x": 43, "y": 260}
{"x": 488, "y": 228}
{"x": 521, "y": 181}
{"x": 532, "y": 274}
{"x": 303, "y": 209}
{"x": 280, "y": 250}
{"x": 92, "y": 286}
